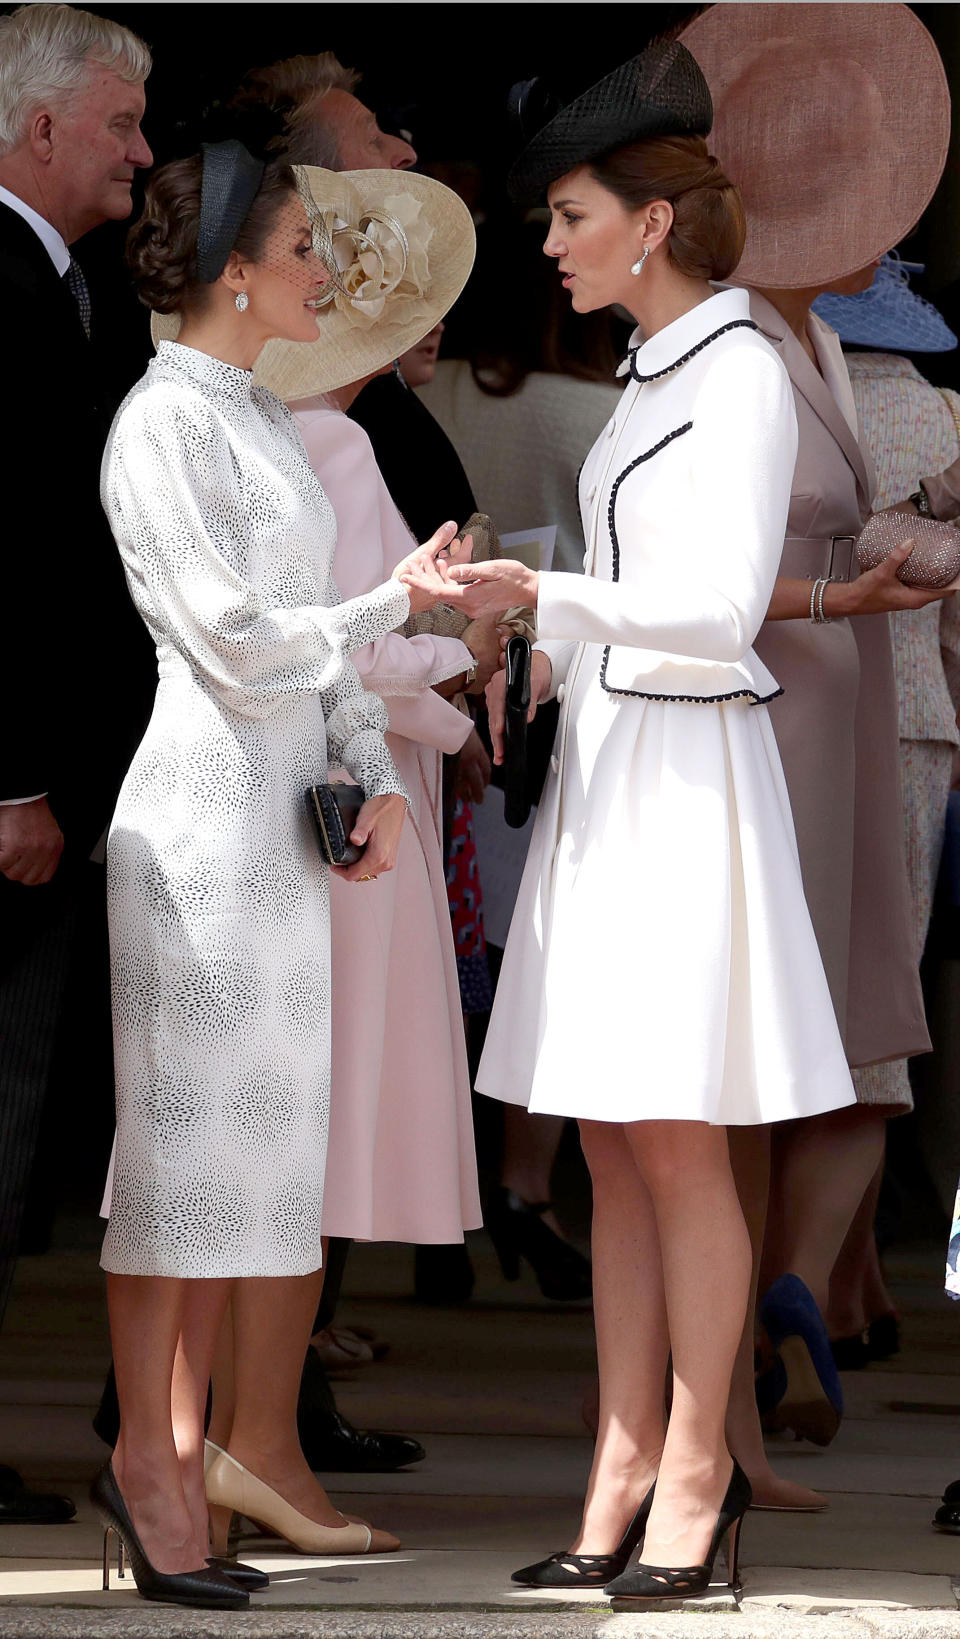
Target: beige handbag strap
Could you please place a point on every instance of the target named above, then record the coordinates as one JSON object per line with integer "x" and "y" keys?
{"x": 951, "y": 406}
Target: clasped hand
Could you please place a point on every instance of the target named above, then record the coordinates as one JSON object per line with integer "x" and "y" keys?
{"x": 424, "y": 573}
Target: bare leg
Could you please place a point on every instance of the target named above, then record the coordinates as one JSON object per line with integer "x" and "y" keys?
{"x": 145, "y": 1319}
{"x": 632, "y": 1345}
{"x": 750, "y": 1159}
{"x": 204, "y": 1305}
{"x": 705, "y": 1251}
{"x": 825, "y": 1165}
{"x": 272, "y": 1322}
{"x": 222, "y": 1378}
{"x": 530, "y": 1144}
{"x": 857, "y": 1289}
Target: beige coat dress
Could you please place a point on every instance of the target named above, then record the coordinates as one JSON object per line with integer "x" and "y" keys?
{"x": 836, "y": 722}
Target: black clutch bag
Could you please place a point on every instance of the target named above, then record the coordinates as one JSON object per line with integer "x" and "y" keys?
{"x": 516, "y": 799}
{"x": 334, "y": 809}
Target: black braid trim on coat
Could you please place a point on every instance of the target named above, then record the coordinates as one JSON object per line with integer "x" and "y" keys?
{"x": 735, "y": 324}
{"x": 641, "y": 694}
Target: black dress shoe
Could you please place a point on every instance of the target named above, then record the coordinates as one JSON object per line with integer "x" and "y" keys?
{"x": 21, "y": 1506}
{"x": 331, "y": 1444}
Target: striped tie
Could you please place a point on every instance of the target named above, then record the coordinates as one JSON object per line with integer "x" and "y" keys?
{"x": 78, "y": 289}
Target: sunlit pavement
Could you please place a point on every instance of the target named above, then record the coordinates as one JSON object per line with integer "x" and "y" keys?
{"x": 493, "y": 1390}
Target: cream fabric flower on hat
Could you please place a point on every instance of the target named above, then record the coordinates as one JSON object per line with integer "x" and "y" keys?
{"x": 380, "y": 257}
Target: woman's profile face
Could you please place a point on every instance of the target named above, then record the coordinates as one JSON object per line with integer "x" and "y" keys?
{"x": 285, "y": 281}
{"x": 595, "y": 240}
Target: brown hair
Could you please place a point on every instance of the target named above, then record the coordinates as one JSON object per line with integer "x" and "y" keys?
{"x": 162, "y": 244}
{"x": 706, "y": 240}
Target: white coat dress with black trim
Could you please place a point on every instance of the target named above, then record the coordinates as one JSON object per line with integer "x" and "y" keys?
{"x": 661, "y": 963}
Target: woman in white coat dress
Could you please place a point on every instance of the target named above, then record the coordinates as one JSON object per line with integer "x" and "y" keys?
{"x": 218, "y": 900}
{"x": 661, "y": 978}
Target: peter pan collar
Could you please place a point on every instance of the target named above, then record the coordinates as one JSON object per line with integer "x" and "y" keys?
{"x": 677, "y": 342}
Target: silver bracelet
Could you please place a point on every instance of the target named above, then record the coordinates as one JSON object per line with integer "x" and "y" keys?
{"x": 816, "y": 600}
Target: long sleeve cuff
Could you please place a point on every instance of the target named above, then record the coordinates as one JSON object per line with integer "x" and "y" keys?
{"x": 374, "y": 614}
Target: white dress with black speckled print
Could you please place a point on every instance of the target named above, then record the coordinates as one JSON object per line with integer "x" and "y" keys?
{"x": 219, "y": 922}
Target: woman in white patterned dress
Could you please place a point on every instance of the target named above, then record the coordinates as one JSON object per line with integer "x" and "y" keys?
{"x": 218, "y": 899}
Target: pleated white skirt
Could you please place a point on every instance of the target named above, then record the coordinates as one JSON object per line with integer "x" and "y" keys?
{"x": 661, "y": 963}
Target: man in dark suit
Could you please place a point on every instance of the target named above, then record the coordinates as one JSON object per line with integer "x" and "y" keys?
{"x": 74, "y": 664}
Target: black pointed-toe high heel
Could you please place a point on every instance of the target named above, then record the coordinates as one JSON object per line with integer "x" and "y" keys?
{"x": 587, "y": 1570}
{"x": 692, "y": 1581}
{"x": 246, "y": 1577}
{"x": 517, "y": 1230}
{"x": 204, "y": 1588}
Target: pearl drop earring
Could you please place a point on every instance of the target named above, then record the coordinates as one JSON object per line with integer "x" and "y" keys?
{"x": 638, "y": 266}
{"x": 242, "y": 301}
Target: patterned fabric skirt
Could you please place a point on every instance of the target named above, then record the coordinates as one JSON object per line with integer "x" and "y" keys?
{"x": 466, "y": 913}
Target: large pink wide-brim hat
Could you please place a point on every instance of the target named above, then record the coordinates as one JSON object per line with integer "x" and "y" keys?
{"x": 834, "y": 122}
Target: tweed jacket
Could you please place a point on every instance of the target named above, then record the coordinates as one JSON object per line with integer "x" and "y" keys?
{"x": 911, "y": 428}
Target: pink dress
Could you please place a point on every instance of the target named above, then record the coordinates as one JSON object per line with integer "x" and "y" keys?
{"x": 400, "y": 1154}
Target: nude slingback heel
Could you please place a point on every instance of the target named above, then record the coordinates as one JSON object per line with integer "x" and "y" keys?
{"x": 232, "y": 1487}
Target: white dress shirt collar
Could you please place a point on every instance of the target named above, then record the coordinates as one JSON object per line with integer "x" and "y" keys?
{"x": 52, "y": 241}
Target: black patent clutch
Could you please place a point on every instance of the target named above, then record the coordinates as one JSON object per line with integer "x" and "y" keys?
{"x": 334, "y": 809}
{"x": 516, "y": 800}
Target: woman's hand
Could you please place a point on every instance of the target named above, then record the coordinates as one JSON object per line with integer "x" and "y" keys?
{"x": 485, "y": 639}
{"x": 424, "y": 572}
{"x": 878, "y": 591}
{"x": 473, "y": 769}
{"x": 489, "y": 588}
{"x": 541, "y": 676}
{"x": 379, "y": 824}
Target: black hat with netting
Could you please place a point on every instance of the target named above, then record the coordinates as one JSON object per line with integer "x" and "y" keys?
{"x": 659, "y": 93}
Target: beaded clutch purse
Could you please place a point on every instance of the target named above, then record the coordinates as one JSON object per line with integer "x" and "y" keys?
{"x": 935, "y": 559}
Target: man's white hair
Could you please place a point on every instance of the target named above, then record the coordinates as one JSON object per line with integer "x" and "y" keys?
{"x": 46, "y": 54}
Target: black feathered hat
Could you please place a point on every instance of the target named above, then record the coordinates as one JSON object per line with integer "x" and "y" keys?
{"x": 659, "y": 93}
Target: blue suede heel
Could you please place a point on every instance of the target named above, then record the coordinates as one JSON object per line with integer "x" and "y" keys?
{"x": 812, "y": 1399}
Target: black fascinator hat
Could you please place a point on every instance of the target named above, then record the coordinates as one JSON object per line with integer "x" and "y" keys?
{"x": 237, "y": 145}
{"x": 659, "y": 93}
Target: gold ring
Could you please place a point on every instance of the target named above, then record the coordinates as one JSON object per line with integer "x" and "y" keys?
{"x": 368, "y": 879}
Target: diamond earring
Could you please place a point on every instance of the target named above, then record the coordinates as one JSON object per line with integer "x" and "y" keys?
{"x": 242, "y": 301}
{"x": 638, "y": 266}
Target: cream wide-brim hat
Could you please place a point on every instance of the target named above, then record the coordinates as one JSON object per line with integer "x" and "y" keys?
{"x": 833, "y": 120}
{"x": 352, "y": 343}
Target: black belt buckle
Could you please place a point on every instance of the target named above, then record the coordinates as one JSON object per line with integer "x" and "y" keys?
{"x": 840, "y": 566}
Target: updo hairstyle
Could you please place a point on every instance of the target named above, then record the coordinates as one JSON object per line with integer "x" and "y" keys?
{"x": 162, "y": 244}
{"x": 706, "y": 240}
